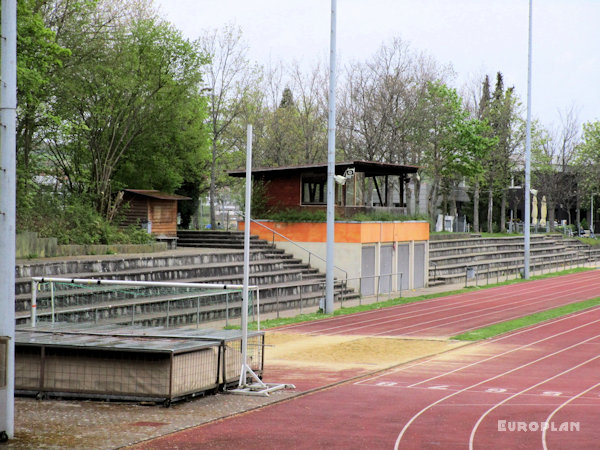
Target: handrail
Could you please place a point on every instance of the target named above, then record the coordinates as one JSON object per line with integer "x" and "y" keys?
{"x": 297, "y": 245}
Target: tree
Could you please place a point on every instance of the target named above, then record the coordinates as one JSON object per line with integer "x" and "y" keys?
{"x": 126, "y": 82}
{"x": 500, "y": 111}
{"x": 552, "y": 171}
{"x": 39, "y": 59}
{"x": 587, "y": 160}
{"x": 229, "y": 82}
{"x": 456, "y": 143}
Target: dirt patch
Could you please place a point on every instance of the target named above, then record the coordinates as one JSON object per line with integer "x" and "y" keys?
{"x": 343, "y": 352}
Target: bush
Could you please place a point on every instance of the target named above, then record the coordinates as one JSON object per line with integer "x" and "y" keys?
{"x": 305, "y": 215}
{"x": 72, "y": 220}
{"x": 298, "y": 215}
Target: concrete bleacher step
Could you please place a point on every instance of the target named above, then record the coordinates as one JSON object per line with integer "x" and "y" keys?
{"x": 140, "y": 309}
{"x": 494, "y": 257}
{"x": 280, "y": 276}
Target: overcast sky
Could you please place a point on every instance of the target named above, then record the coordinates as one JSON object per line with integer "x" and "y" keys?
{"x": 475, "y": 36}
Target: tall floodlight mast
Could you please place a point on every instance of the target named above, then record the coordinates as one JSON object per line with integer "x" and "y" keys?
{"x": 331, "y": 168}
{"x": 527, "y": 222}
{"x": 8, "y": 114}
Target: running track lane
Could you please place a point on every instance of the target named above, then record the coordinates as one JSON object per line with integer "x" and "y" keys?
{"x": 545, "y": 373}
{"x": 448, "y": 316}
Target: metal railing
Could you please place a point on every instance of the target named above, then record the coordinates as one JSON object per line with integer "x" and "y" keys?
{"x": 253, "y": 291}
{"x": 224, "y": 300}
{"x": 297, "y": 245}
{"x": 378, "y": 284}
{"x": 551, "y": 263}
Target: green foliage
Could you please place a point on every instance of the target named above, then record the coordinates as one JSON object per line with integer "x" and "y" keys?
{"x": 532, "y": 319}
{"x": 587, "y": 159}
{"x": 384, "y": 216}
{"x": 298, "y": 215}
{"x": 104, "y": 107}
{"x": 308, "y": 215}
{"x": 72, "y": 220}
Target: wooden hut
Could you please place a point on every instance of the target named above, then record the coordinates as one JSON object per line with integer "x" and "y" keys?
{"x": 154, "y": 210}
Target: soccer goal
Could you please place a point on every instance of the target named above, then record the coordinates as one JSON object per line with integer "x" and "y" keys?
{"x": 122, "y": 302}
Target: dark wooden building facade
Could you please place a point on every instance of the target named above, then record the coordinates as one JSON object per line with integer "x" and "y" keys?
{"x": 152, "y": 209}
{"x": 367, "y": 186}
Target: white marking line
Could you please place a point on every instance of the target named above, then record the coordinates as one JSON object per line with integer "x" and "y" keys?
{"x": 484, "y": 343}
{"x": 549, "y": 418}
{"x": 479, "y": 297}
{"x": 476, "y": 314}
{"x": 416, "y": 416}
{"x": 398, "y": 369}
{"x": 529, "y": 300}
{"x": 489, "y": 358}
{"x": 484, "y": 415}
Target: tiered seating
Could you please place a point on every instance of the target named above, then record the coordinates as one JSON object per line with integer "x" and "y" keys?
{"x": 284, "y": 282}
{"x": 499, "y": 257}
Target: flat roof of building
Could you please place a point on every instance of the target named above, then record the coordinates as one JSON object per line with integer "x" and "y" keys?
{"x": 156, "y": 194}
{"x": 125, "y": 338}
{"x": 369, "y": 168}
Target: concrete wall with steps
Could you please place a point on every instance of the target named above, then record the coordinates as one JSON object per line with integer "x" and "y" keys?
{"x": 284, "y": 282}
{"x": 495, "y": 257}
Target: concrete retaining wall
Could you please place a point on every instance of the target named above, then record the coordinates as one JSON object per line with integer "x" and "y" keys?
{"x": 30, "y": 245}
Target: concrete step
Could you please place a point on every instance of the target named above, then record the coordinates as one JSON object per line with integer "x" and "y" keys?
{"x": 449, "y": 257}
{"x": 285, "y": 295}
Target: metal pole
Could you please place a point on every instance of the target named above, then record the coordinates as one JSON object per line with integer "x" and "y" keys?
{"x": 168, "y": 306}
{"x": 300, "y": 289}
{"x": 52, "y": 300}
{"x": 527, "y": 221}
{"x": 8, "y": 114}
{"x": 592, "y": 214}
{"x": 257, "y": 308}
{"x": 245, "y": 283}
{"x": 331, "y": 168}
{"x": 226, "y": 310}
{"x": 401, "y": 275}
{"x": 34, "y": 286}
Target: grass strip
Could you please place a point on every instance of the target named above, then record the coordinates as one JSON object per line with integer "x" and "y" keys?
{"x": 272, "y": 323}
{"x": 525, "y": 321}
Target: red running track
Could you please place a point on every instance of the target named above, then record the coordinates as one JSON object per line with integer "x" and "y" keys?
{"x": 449, "y": 316}
{"x": 516, "y": 391}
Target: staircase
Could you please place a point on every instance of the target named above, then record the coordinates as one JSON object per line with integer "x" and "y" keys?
{"x": 499, "y": 257}
{"x": 285, "y": 283}
{"x": 218, "y": 239}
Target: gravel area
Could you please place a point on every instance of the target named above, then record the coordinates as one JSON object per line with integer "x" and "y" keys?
{"x": 107, "y": 425}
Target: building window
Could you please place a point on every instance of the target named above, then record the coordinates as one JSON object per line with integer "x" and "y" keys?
{"x": 314, "y": 191}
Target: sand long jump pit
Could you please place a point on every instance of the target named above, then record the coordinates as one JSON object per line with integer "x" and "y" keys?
{"x": 341, "y": 352}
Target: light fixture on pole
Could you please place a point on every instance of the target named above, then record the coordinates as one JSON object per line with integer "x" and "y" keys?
{"x": 8, "y": 173}
{"x": 329, "y": 266}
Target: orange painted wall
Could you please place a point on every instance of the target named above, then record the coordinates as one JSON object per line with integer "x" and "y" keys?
{"x": 348, "y": 232}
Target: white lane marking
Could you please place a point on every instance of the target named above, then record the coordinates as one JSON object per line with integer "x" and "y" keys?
{"x": 470, "y": 315}
{"x": 479, "y": 297}
{"x": 489, "y": 358}
{"x": 497, "y": 405}
{"x": 484, "y": 343}
{"x": 501, "y": 307}
{"x": 431, "y": 405}
{"x": 549, "y": 418}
